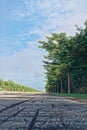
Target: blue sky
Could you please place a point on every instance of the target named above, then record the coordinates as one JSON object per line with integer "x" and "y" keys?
{"x": 22, "y": 24}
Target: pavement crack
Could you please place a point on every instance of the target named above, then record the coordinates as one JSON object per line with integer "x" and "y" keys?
{"x": 61, "y": 119}
{"x": 52, "y": 105}
{"x": 13, "y": 105}
{"x": 12, "y": 116}
{"x": 33, "y": 120}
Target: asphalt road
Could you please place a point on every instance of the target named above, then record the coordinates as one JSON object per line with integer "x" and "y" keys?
{"x": 41, "y": 112}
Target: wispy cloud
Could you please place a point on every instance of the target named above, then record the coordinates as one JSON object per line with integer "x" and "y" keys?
{"x": 35, "y": 19}
{"x": 42, "y": 18}
{"x": 53, "y": 15}
{"x": 11, "y": 45}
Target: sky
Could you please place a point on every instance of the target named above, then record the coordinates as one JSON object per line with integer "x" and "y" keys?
{"x": 22, "y": 24}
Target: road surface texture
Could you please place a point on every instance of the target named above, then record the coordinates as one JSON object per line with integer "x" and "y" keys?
{"x": 41, "y": 112}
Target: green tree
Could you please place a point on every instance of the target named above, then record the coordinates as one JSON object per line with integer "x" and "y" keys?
{"x": 66, "y": 61}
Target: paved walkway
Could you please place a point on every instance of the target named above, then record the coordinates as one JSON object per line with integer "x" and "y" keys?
{"x": 41, "y": 112}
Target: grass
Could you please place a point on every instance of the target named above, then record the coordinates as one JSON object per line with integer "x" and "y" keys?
{"x": 76, "y": 95}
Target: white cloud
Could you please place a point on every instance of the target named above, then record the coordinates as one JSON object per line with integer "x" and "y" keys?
{"x": 42, "y": 18}
{"x": 54, "y": 15}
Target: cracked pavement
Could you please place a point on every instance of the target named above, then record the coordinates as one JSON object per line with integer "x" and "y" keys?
{"x": 41, "y": 112}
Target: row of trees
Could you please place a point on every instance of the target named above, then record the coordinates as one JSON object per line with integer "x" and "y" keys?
{"x": 66, "y": 61}
{"x": 12, "y": 86}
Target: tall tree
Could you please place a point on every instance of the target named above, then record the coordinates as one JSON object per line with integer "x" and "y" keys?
{"x": 66, "y": 57}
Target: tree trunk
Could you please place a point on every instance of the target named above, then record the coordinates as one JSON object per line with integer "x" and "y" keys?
{"x": 57, "y": 87}
{"x": 61, "y": 85}
{"x": 68, "y": 83}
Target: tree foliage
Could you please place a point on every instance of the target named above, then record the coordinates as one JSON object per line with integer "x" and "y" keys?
{"x": 66, "y": 61}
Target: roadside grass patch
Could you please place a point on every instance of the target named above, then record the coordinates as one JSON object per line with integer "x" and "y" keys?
{"x": 76, "y": 95}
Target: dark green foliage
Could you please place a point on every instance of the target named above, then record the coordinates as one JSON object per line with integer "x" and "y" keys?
{"x": 66, "y": 62}
{"x": 11, "y": 86}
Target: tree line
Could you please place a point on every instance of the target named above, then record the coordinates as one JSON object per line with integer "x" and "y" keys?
{"x": 66, "y": 61}
{"x": 12, "y": 86}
